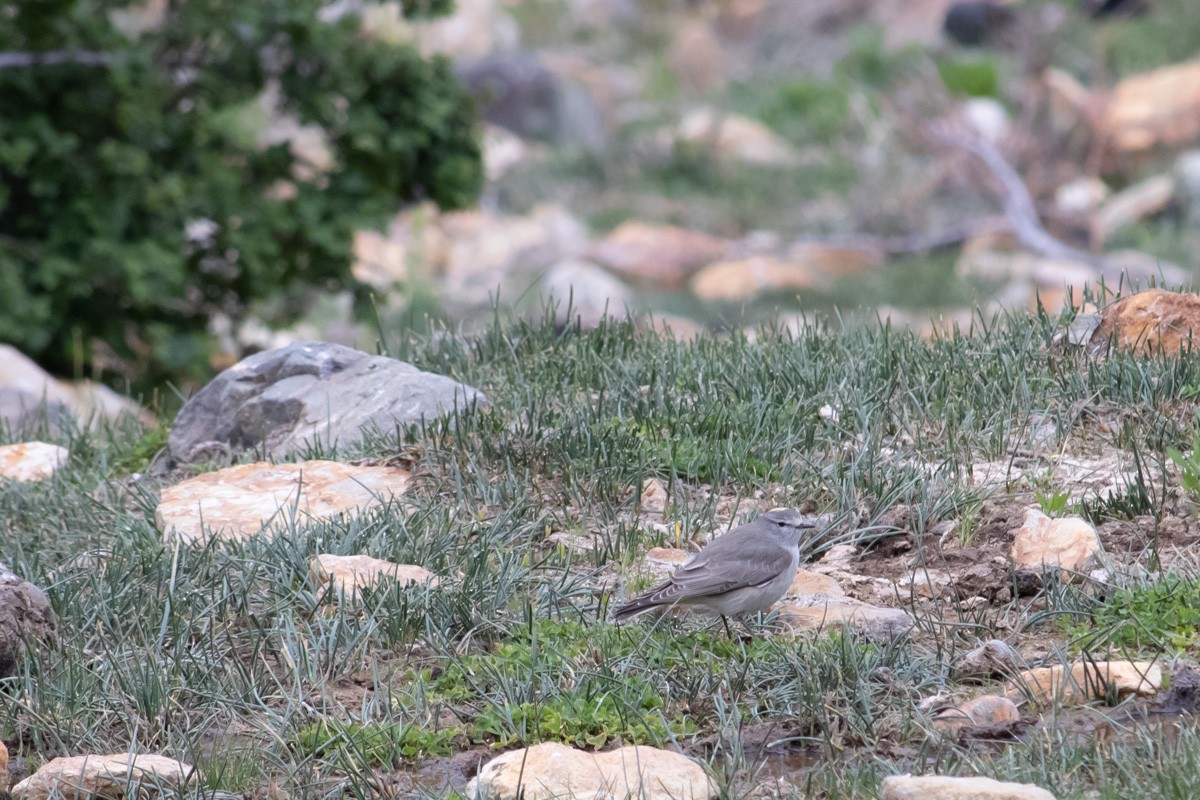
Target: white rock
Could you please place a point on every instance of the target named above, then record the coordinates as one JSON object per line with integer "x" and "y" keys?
{"x": 552, "y": 770}
{"x": 1081, "y": 196}
{"x": 987, "y": 117}
{"x": 239, "y": 502}
{"x": 105, "y": 776}
{"x": 944, "y": 787}
{"x": 349, "y": 574}
{"x": 31, "y": 461}
{"x": 1069, "y": 542}
{"x": 836, "y": 614}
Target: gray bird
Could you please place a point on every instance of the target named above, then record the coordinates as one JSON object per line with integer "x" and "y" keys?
{"x": 744, "y": 570}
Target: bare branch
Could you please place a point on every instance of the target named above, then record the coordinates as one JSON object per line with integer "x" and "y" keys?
{"x": 14, "y": 60}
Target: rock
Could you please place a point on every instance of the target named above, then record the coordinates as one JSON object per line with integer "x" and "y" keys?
{"x": 309, "y": 394}
{"x": 27, "y": 390}
{"x": 552, "y": 770}
{"x": 349, "y": 574}
{"x": 1081, "y": 196}
{"x": 653, "y": 498}
{"x": 813, "y": 589}
{"x": 926, "y": 583}
{"x": 989, "y": 659}
{"x": 973, "y": 23}
{"x": 1069, "y": 542}
{"x": 1137, "y": 202}
{"x": 25, "y": 617}
{"x": 105, "y": 776}
{"x": 732, "y": 138}
{"x": 593, "y": 292}
{"x": 239, "y": 502}
{"x": 1187, "y": 172}
{"x": 987, "y": 710}
{"x": 945, "y": 787}
{"x": 3, "y": 768}
{"x": 522, "y": 94}
{"x": 1085, "y": 681}
{"x": 874, "y": 622}
{"x": 906, "y": 22}
{"x": 743, "y": 279}
{"x": 660, "y": 256}
{"x": 987, "y": 117}
{"x": 835, "y": 261}
{"x": 31, "y": 461}
{"x": 502, "y": 151}
{"x": 696, "y": 56}
{"x": 1148, "y": 322}
{"x": 1155, "y": 109}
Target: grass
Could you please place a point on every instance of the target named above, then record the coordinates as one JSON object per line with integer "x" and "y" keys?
{"x": 175, "y": 650}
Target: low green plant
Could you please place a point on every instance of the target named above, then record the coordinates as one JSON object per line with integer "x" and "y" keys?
{"x": 1053, "y": 503}
{"x": 374, "y": 743}
{"x": 1189, "y": 466}
{"x": 1162, "y": 615}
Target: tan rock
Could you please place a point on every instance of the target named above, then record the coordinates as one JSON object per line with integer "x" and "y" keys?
{"x": 734, "y": 138}
{"x": 993, "y": 657}
{"x": 746, "y": 278}
{"x": 813, "y": 588}
{"x": 1149, "y": 322}
{"x": 696, "y": 56}
{"x": 654, "y": 496}
{"x": 945, "y": 787}
{"x": 349, "y": 574}
{"x": 1137, "y": 202}
{"x": 1081, "y": 196}
{"x": 667, "y": 556}
{"x": 31, "y": 461}
{"x": 841, "y": 613}
{"x": 1069, "y": 542}
{"x": 379, "y": 262}
{"x": 835, "y": 261}
{"x": 552, "y": 770}
{"x": 663, "y": 256}
{"x": 105, "y": 776}
{"x": 91, "y": 403}
{"x": 1160, "y": 108}
{"x": 1087, "y": 681}
{"x": 239, "y": 502}
{"x": 3, "y": 768}
{"x": 989, "y": 709}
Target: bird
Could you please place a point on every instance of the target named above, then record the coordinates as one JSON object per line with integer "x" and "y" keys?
{"x": 742, "y": 571}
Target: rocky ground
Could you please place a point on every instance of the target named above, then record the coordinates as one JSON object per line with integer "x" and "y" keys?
{"x": 337, "y": 575}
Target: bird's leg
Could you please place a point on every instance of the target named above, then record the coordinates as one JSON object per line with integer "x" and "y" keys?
{"x": 725, "y": 622}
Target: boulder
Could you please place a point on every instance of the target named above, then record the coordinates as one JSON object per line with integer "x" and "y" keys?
{"x": 746, "y": 278}
{"x": 1070, "y": 543}
{"x": 987, "y": 710}
{"x": 105, "y": 776}
{"x": 874, "y": 622}
{"x": 552, "y": 770}
{"x": 659, "y": 256}
{"x": 350, "y": 574}
{"x": 31, "y": 461}
{"x": 1160, "y": 108}
{"x": 28, "y": 391}
{"x": 1147, "y": 322}
{"x": 593, "y": 292}
{"x": 25, "y": 618}
{"x": 1086, "y": 681}
{"x": 945, "y": 787}
{"x": 309, "y": 394}
{"x": 239, "y": 502}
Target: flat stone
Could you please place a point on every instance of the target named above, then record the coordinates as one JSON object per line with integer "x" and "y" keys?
{"x": 25, "y": 617}
{"x": 1156, "y": 109}
{"x": 28, "y": 392}
{"x": 552, "y": 770}
{"x": 1148, "y": 322}
{"x": 662, "y": 256}
{"x": 239, "y": 502}
{"x": 350, "y": 574}
{"x": 746, "y": 278}
{"x": 945, "y": 787}
{"x": 31, "y": 461}
{"x": 3, "y": 768}
{"x": 988, "y": 709}
{"x": 1086, "y": 681}
{"x": 874, "y": 622}
{"x": 1069, "y": 542}
{"x": 105, "y": 776}
{"x": 310, "y": 394}
{"x": 813, "y": 588}
{"x": 835, "y": 261}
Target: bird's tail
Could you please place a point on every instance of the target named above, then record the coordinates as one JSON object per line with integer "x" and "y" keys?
{"x": 633, "y": 608}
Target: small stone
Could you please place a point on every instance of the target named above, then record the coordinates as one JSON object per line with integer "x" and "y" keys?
{"x": 734, "y": 138}
{"x": 945, "y": 787}
{"x": 836, "y": 558}
{"x": 552, "y": 770}
{"x": 661, "y": 256}
{"x": 654, "y": 496}
{"x": 925, "y": 582}
{"x": 239, "y": 502}
{"x": 3, "y": 768}
{"x": 834, "y": 261}
{"x": 25, "y": 616}
{"x": 874, "y": 622}
{"x": 1086, "y": 681}
{"x": 1138, "y": 202}
{"x": 827, "y": 412}
{"x": 991, "y": 658}
{"x": 31, "y": 461}
{"x": 989, "y": 709}
{"x": 1081, "y": 196}
{"x": 813, "y": 588}
{"x": 350, "y": 574}
{"x": 105, "y": 776}
{"x": 1069, "y": 542}
{"x": 746, "y": 278}
{"x": 987, "y": 117}
{"x": 589, "y": 291}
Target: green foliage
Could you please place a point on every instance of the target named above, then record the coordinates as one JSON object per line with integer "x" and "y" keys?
{"x": 135, "y": 205}
{"x": 1189, "y": 466}
{"x": 1162, "y": 615}
{"x": 973, "y": 77}
{"x": 373, "y": 743}
{"x": 1053, "y": 503}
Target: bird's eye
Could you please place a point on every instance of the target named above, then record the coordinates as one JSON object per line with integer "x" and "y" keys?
{"x": 781, "y": 524}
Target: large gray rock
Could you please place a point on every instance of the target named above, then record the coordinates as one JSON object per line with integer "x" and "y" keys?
{"x": 25, "y": 618}
{"x": 309, "y": 393}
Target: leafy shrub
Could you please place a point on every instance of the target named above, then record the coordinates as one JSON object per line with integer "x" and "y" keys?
{"x": 134, "y": 202}
{"x": 373, "y": 743}
{"x": 1162, "y": 615}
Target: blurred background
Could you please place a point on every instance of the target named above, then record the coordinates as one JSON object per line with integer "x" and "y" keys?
{"x": 184, "y": 183}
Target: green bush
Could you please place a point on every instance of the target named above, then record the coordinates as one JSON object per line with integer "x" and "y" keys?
{"x": 134, "y": 202}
